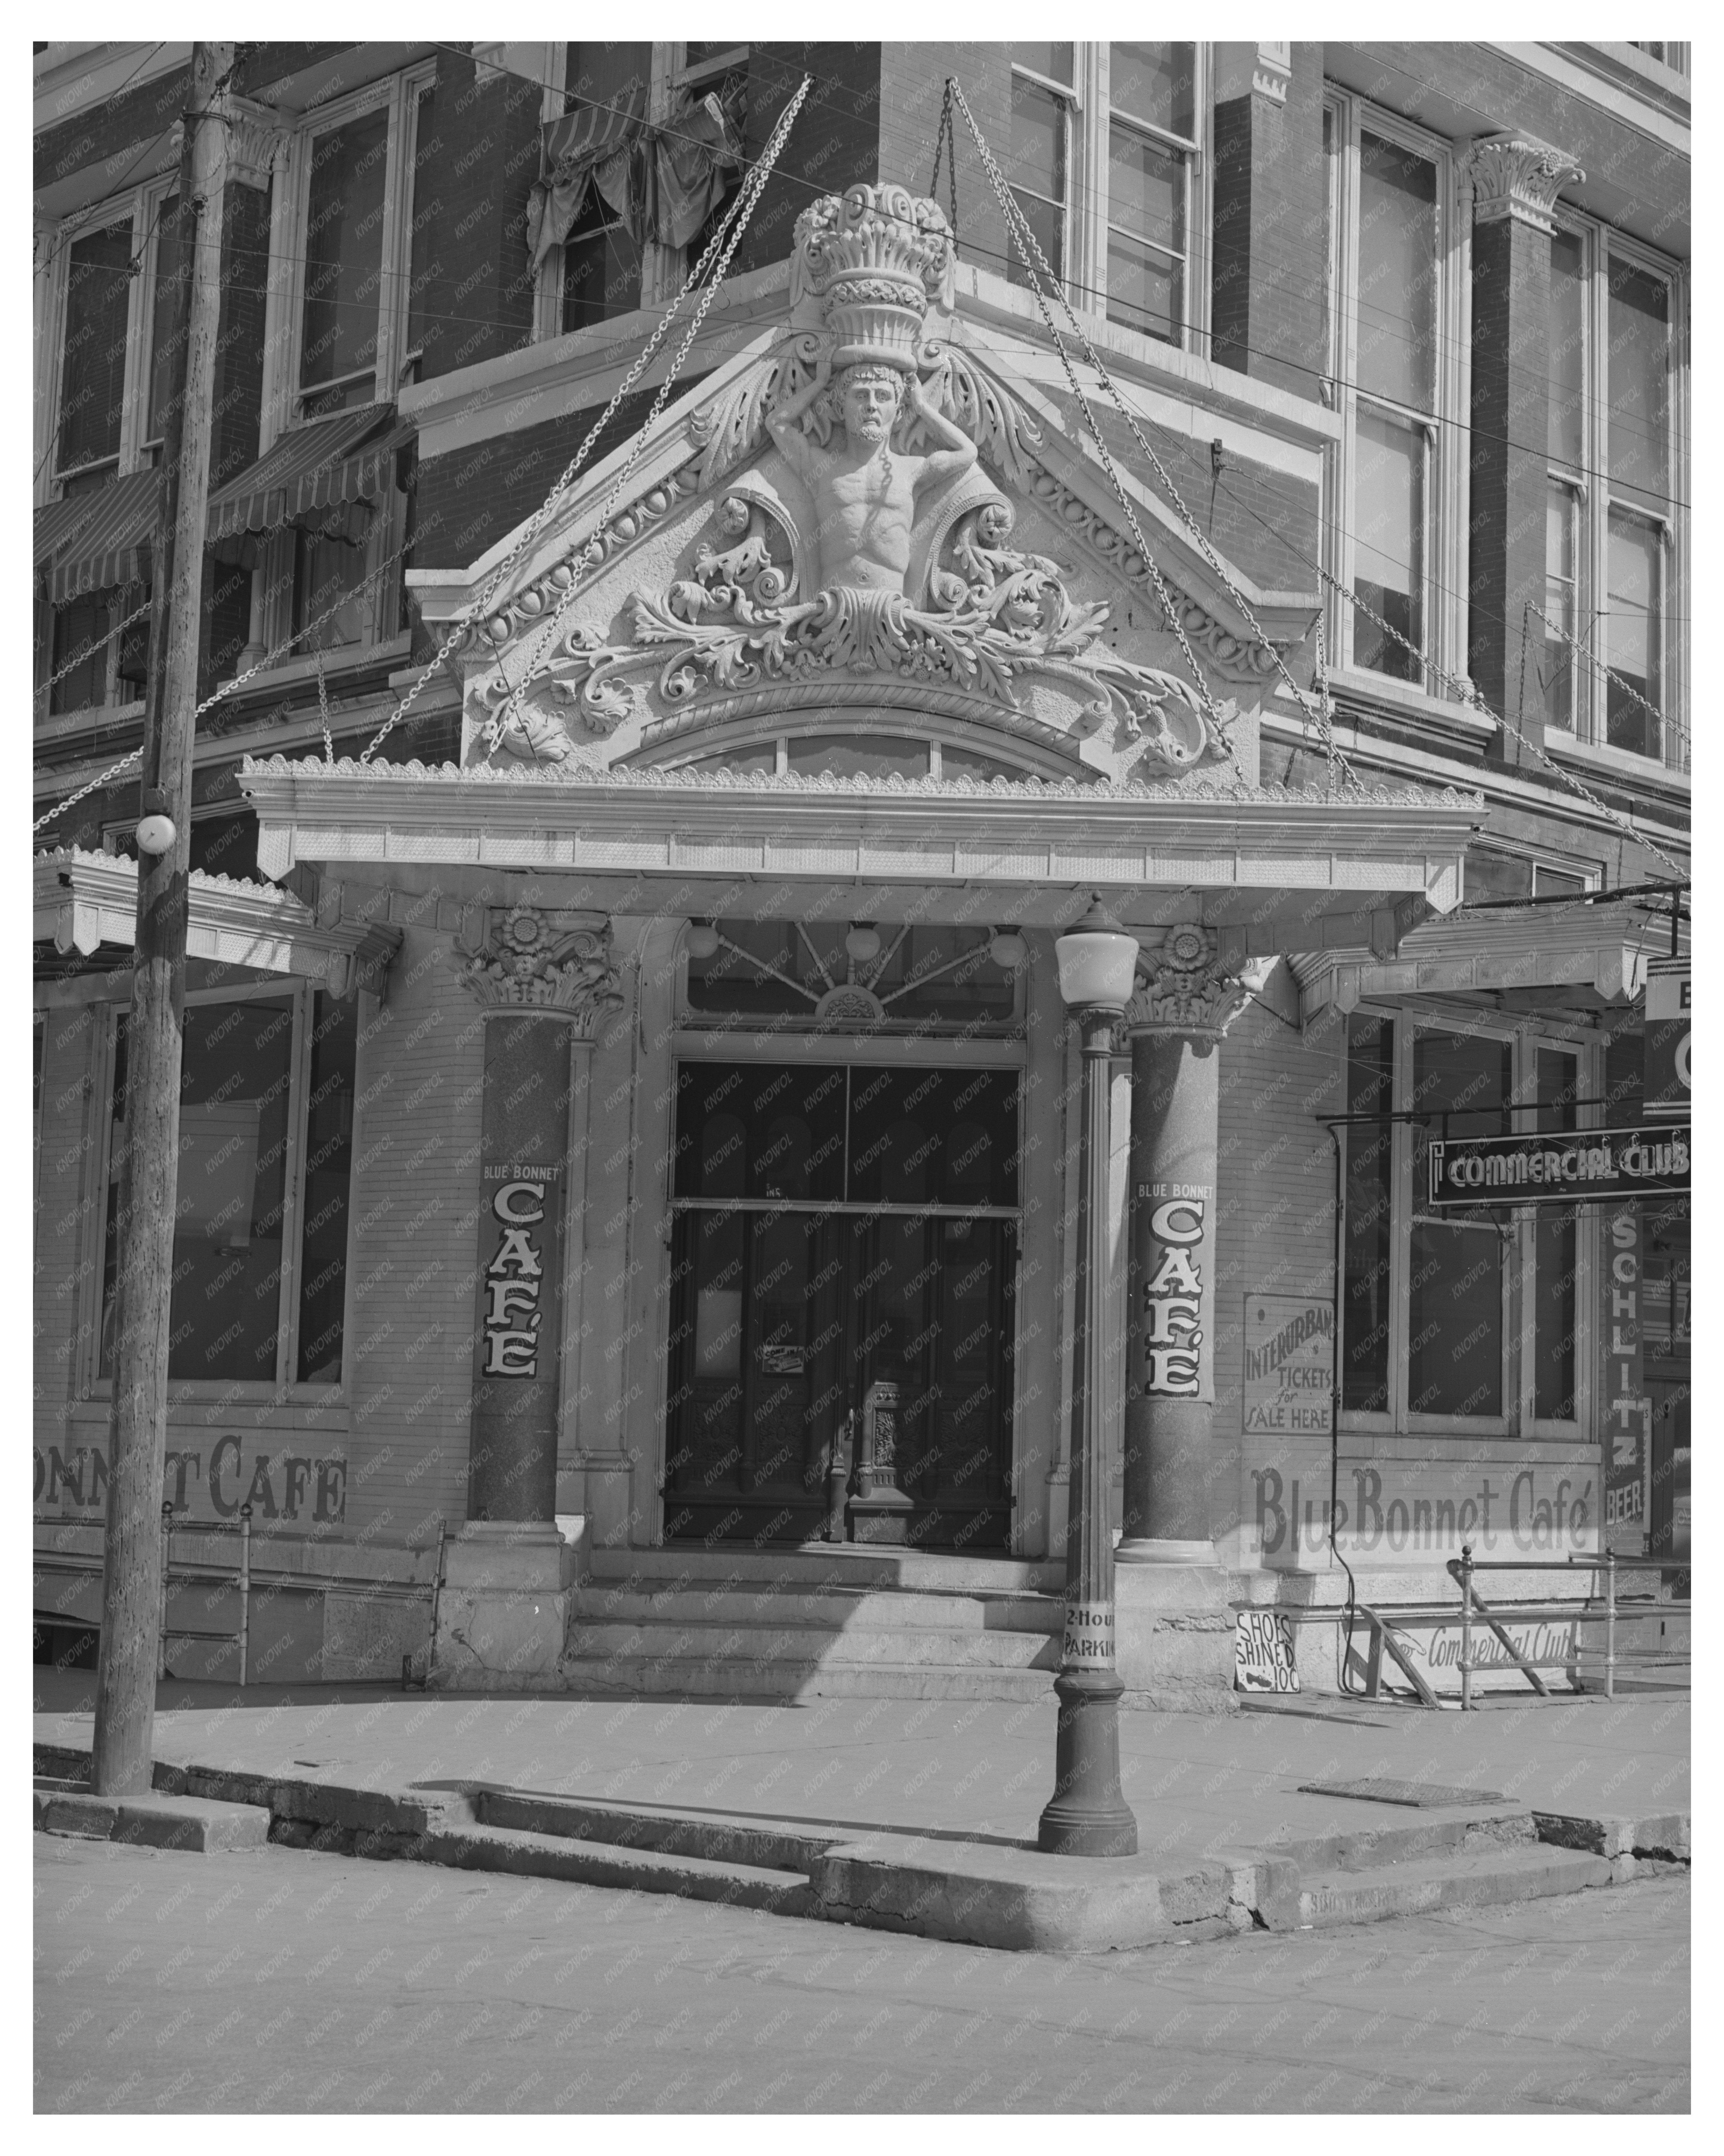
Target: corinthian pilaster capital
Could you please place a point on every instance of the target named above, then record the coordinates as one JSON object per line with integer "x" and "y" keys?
{"x": 1182, "y": 989}
{"x": 525, "y": 962}
{"x": 1515, "y": 177}
{"x": 256, "y": 142}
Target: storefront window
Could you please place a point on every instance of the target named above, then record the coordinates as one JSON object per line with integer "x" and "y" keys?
{"x": 235, "y": 1191}
{"x": 1450, "y": 1315}
{"x": 1463, "y": 1083}
{"x": 1556, "y": 1254}
{"x": 1370, "y": 1159}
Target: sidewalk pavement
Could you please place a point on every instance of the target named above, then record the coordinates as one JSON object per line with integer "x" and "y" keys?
{"x": 958, "y": 1770}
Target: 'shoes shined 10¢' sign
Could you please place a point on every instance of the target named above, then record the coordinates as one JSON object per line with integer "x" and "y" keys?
{"x": 1563, "y": 1167}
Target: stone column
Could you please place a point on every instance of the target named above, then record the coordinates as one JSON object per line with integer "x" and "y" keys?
{"x": 543, "y": 983}
{"x": 1175, "y": 1629}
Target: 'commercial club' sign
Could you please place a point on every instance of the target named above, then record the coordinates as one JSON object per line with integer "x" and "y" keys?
{"x": 1566, "y": 1168}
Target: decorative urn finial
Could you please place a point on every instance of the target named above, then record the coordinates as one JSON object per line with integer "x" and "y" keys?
{"x": 875, "y": 259}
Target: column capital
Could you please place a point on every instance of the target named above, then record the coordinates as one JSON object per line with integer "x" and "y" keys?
{"x": 532, "y": 960}
{"x": 256, "y": 142}
{"x": 1514, "y": 176}
{"x": 1182, "y": 990}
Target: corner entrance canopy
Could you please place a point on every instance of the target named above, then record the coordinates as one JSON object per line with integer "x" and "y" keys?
{"x": 1296, "y": 870}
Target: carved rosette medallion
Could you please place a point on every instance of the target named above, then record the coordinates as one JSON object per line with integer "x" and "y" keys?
{"x": 1181, "y": 988}
{"x": 525, "y": 961}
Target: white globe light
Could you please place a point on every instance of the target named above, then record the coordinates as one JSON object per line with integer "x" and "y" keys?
{"x": 703, "y": 939}
{"x": 1098, "y": 960}
{"x": 155, "y": 834}
{"x": 1007, "y": 949}
{"x": 863, "y": 944}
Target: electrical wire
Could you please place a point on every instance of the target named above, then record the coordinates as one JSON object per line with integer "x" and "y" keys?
{"x": 1095, "y": 200}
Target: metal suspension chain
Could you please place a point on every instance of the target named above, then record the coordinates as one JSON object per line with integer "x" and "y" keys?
{"x": 947, "y": 139}
{"x": 1469, "y": 695}
{"x": 226, "y": 689}
{"x": 1036, "y": 262}
{"x": 1030, "y": 246}
{"x": 744, "y": 209}
{"x": 95, "y": 644}
{"x": 329, "y": 746}
{"x": 1602, "y": 666}
{"x": 475, "y": 613}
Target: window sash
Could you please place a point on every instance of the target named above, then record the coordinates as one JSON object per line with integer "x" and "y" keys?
{"x": 1634, "y": 629}
{"x": 1559, "y": 670}
{"x": 1385, "y": 1252}
{"x": 303, "y": 998}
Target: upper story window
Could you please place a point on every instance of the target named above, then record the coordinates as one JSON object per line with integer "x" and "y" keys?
{"x": 1126, "y": 247}
{"x": 1613, "y": 511}
{"x": 348, "y": 236}
{"x": 93, "y": 357}
{"x": 642, "y": 159}
{"x": 1396, "y": 389}
{"x": 610, "y": 85}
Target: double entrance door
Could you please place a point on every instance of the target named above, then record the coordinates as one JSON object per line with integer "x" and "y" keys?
{"x": 844, "y": 1259}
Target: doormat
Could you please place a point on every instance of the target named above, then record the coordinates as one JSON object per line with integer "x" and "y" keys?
{"x": 1378, "y": 1789}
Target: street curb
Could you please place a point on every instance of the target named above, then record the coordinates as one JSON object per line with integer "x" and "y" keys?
{"x": 198, "y": 1826}
{"x": 1000, "y": 1895}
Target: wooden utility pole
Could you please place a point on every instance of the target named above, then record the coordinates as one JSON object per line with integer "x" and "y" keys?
{"x": 132, "y": 1577}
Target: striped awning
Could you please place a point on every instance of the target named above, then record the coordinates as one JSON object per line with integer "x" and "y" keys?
{"x": 312, "y": 475}
{"x": 92, "y": 541}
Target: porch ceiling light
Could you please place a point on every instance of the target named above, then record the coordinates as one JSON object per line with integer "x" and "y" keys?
{"x": 702, "y": 939}
{"x": 1007, "y": 949}
{"x": 863, "y": 942}
{"x": 1098, "y": 960}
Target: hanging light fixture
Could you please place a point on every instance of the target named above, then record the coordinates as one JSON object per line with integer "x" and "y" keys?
{"x": 1007, "y": 949}
{"x": 863, "y": 942}
{"x": 702, "y": 939}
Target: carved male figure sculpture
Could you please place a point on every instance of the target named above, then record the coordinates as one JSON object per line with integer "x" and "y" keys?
{"x": 864, "y": 494}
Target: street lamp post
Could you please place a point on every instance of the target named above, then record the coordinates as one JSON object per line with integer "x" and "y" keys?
{"x": 1086, "y": 1815}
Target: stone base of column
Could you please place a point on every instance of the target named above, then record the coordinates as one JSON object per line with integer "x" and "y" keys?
{"x": 1174, "y": 1634}
{"x": 503, "y": 1610}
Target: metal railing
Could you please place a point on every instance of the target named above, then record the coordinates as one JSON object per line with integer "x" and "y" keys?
{"x": 241, "y": 1579}
{"x": 1495, "y": 1617}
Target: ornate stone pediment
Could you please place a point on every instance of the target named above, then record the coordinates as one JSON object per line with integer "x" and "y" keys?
{"x": 865, "y": 515}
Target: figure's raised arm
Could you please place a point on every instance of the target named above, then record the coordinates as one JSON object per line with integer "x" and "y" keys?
{"x": 957, "y": 452}
{"x": 784, "y": 421}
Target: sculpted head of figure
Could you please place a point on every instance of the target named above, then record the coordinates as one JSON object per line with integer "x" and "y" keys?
{"x": 868, "y": 396}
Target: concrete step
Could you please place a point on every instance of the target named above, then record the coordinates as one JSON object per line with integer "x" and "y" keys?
{"x": 837, "y": 1609}
{"x": 920, "y": 1644}
{"x": 1452, "y": 1880}
{"x": 698, "y": 1676}
{"x": 830, "y": 1565}
{"x": 717, "y": 1837}
{"x": 589, "y": 1863}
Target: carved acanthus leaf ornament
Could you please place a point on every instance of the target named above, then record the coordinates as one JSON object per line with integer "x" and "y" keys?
{"x": 1181, "y": 988}
{"x": 525, "y": 961}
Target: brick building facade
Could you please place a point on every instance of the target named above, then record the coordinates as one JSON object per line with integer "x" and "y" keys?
{"x": 1400, "y": 333}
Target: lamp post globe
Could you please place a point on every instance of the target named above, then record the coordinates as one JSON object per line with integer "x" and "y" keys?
{"x": 1087, "y": 1815}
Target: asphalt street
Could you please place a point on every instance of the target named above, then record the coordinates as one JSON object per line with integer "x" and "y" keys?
{"x": 285, "y": 1981}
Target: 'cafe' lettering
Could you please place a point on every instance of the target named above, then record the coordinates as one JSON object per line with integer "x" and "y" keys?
{"x": 514, "y": 1280}
{"x": 1173, "y": 1300}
